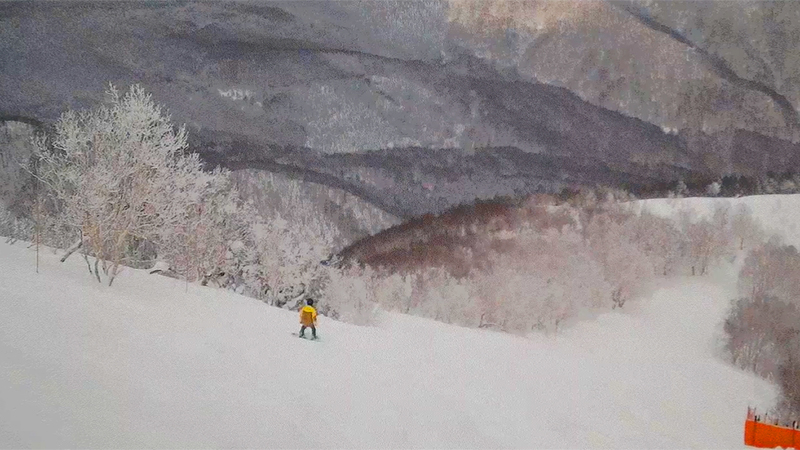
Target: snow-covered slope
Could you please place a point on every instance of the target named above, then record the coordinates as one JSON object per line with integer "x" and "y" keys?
{"x": 778, "y": 214}
{"x": 146, "y": 364}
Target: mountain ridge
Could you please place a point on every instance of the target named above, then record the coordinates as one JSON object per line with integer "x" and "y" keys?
{"x": 319, "y": 91}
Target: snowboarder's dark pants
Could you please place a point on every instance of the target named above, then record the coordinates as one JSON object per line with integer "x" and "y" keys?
{"x": 313, "y": 330}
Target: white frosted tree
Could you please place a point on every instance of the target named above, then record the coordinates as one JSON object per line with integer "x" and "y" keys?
{"x": 446, "y": 298}
{"x": 290, "y": 257}
{"x": 750, "y": 341}
{"x": 123, "y": 182}
{"x": 211, "y": 240}
{"x": 744, "y": 228}
{"x": 625, "y": 266}
{"x": 349, "y": 295}
{"x": 16, "y": 148}
{"x": 393, "y": 291}
{"x": 771, "y": 270}
{"x": 659, "y": 239}
{"x": 708, "y": 241}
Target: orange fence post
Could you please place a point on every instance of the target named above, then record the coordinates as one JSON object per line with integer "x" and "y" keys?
{"x": 750, "y": 427}
{"x": 795, "y": 435}
{"x": 761, "y": 434}
{"x": 765, "y": 435}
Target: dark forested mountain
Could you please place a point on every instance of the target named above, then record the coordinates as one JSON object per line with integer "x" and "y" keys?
{"x": 419, "y": 106}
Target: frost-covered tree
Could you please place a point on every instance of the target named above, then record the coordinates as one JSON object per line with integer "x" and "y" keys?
{"x": 660, "y": 240}
{"x": 289, "y": 257}
{"x": 349, "y": 295}
{"x": 708, "y": 240}
{"x": 14, "y": 228}
{"x": 763, "y": 326}
{"x": 122, "y": 182}
{"x": 537, "y": 268}
{"x": 211, "y": 240}
{"x": 333, "y": 216}
{"x": 771, "y": 270}
{"x": 16, "y": 148}
{"x": 751, "y": 329}
{"x": 744, "y": 228}
{"x": 625, "y": 265}
{"x": 444, "y": 298}
{"x": 701, "y": 246}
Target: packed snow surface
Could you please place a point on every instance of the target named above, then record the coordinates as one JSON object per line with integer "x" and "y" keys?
{"x": 152, "y": 362}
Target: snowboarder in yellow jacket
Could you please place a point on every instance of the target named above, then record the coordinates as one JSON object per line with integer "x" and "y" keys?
{"x": 308, "y": 318}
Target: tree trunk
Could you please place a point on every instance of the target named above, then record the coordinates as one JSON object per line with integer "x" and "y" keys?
{"x": 88, "y": 264}
{"x": 96, "y": 271}
{"x": 114, "y": 270}
{"x": 72, "y": 250}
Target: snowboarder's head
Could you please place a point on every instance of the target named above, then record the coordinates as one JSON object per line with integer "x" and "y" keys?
{"x": 310, "y": 302}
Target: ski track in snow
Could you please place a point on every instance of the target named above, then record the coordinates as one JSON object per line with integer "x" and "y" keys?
{"x": 146, "y": 364}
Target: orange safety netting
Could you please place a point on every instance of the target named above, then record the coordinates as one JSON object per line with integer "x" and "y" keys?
{"x": 758, "y": 433}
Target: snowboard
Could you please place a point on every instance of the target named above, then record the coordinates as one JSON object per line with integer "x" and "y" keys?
{"x": 306, "y": 337}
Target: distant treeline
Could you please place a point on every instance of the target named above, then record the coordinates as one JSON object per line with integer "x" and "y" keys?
{"x": 701, "y": 185}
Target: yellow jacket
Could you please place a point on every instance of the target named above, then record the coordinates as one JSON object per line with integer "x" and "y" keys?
{"x": 308, "y": 316}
